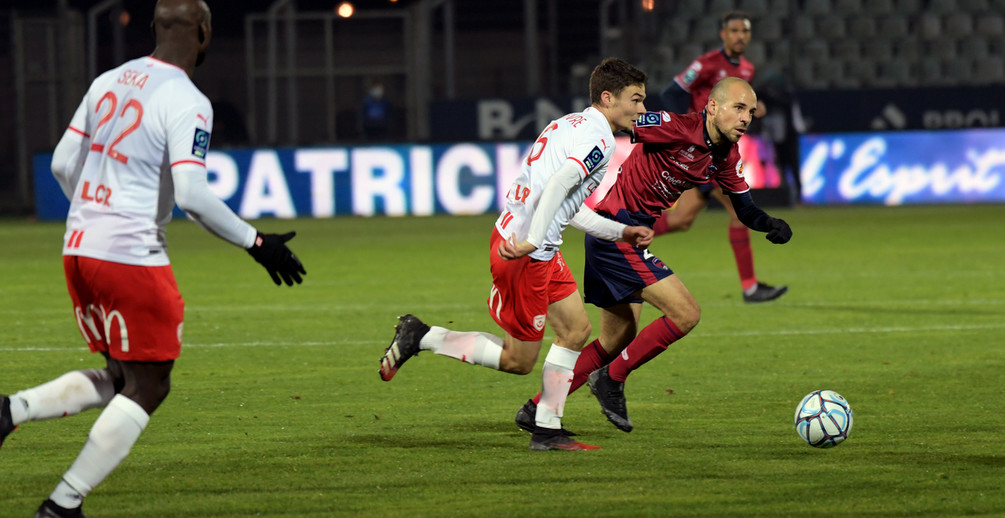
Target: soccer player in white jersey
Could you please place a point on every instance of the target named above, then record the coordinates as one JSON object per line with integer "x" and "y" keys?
{"x": 531, "y": 283}
{"x": 136, "y": 145}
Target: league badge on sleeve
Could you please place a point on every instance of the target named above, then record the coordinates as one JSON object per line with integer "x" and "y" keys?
{"x": 648, "y": 119}
{"x": 200, "y": 144}
{"x": 593, "y": 159}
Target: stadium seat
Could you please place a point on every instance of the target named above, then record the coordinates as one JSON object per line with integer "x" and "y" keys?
{"x": 677, "y": 30}
{"x": 768, "y": 29}
{"x": 930, "y": 72}
{"x": 991, "y": 26}
{"x": 878, "y": 7}
{"x": 942, "y": 7}
{"x": 958, "y": 71}
{"x": 892, "y": 27}
{"x": 806, "y": 75}
{"x": 816, "y": 50}
{"x": 908, "y": 7}
{"x": 929, "y": 26}
{"x": 780, "y": 51}
{"x": 974, "y": 6}
{"x": 879, "y": 52}
{"x": 940, "y": 48}
{"x": 847, "y": 8}
{"x": 831, "y": 27}
{"x": 756, "y": 52}
{"x": 990, "y": 70}
{"x": 755, "y": 8}
{"x": 958, "y": 25}
{"x": 894, "y": 73}
{"x": 907, "y": 49}
{"x": 862, "y": 27}
{"x": 720, "y": 7}
{"x": 974, "y": 47}
{"x": 802, "y": 28}
{"x": 861, "y": 70}
{"x": 846, "y": 49}
{"x": 817, "y": 8}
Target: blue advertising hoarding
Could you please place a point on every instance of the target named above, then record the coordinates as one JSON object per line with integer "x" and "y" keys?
{"x": 895, "y": 168}
{"x": 392, "y": 180}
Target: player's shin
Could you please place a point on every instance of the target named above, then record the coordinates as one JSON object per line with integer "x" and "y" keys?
{"x": 652, "y": 340}
{"x": 112, "y": 436}
{"x": 556, "y": 377}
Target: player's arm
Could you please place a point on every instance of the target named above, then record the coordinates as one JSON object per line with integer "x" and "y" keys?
{"x": 68, "y": 157}
{"x": 675, "y": 98}
{"x": 555, "y": 192}
{"x": 590, "y": 222}
{"x": 188, "y": 145}
{"x": 752, "y": 216}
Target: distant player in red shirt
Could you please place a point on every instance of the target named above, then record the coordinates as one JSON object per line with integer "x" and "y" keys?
{"x": 674, "y": 154}
{"x": 688, "y": 93}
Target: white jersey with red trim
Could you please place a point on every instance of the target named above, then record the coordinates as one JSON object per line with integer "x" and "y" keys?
{"x": 137, "y": 121}
{"x": 584, "y": 138}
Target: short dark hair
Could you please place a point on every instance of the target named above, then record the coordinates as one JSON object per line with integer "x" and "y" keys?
{"x": 734, "y": 15}
{"x": 614, "y": 75}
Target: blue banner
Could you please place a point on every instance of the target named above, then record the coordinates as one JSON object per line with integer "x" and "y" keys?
{"x": 362, "y": 181}
{"x": 950, "y": 166}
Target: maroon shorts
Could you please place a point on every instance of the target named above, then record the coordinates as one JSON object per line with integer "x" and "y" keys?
{"x": 133, "y": 313}
{"x": 522, "y": 290}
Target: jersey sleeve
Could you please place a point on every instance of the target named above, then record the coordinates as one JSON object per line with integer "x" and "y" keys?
{"x": 689, "y": 76}
{"x": 656, "y": 128}
{"x": 591, "y": 153}
{"x": 189, "y": 125}
{"x": 730, "y": 177}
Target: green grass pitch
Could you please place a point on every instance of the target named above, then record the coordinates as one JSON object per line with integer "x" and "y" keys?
{"x": 277, "y": 408}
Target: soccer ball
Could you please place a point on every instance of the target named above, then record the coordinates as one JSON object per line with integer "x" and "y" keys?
{"x": 823, "y": 418}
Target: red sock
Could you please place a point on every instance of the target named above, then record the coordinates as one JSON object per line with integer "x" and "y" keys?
{"x": 652, "y": 340}
{"x": 592, "y": 357}
{"x": 661, "y": 226}
{"x": 739, "y": 239}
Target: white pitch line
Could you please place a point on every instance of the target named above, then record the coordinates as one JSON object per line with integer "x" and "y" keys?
{"x": 783, "y": 332}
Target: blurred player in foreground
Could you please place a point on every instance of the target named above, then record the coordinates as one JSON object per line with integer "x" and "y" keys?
{"x": 674, "y": 154}
{"x": 531, "y": 283}
{"x": 688, "y": 93}
{"x": 136, "y": 145}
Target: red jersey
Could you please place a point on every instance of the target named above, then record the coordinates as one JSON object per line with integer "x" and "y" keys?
{"x": 703, "y": 73}
{"x": 673, "y": 153}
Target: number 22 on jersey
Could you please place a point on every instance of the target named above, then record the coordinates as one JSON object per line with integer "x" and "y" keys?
{"x": 109, "y": 103}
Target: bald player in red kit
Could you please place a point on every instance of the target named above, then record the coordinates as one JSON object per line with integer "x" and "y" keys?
{"x": 688, "y": 93}
{"x": 674, "y": 154}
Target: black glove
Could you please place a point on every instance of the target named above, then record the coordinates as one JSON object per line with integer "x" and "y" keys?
{"x": 270, "y": 250}
{"x": 780, "y": 231}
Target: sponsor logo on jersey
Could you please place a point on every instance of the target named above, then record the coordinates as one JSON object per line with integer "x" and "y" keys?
{"x": 739, "y": 168}
{"x": 666, "y": 116}
{"x": 648, "y": 119}
{"x": 593, "y": 159}
{"x": 200, "y": 144}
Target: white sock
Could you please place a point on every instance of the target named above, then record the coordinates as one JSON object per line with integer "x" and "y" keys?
{"x": 69, "y": 394}
{"x": 112, "y": 436}
{"x": 556, "y": 378}
{"x": 474, "y": 347}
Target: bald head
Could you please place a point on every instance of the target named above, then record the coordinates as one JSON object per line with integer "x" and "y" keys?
{"x": 182, "y": 30}
{"x": 170, "y": 15}
{"x": 730, "y": 88}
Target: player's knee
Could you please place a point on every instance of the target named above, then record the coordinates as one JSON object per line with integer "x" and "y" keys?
{"x": 521, "y": 366}
{"x": 687, "y": 318}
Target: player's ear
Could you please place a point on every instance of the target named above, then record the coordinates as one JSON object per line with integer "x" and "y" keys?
{"x": 202, "y": 33}
{"x": 153, "y": 30}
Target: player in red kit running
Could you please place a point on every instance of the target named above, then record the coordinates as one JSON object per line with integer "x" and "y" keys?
{"x": 673, "y": 154}
{"x": 136, "y": 145}
{"x": 687, "y": 93}
{"x": 531, "y": 284}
